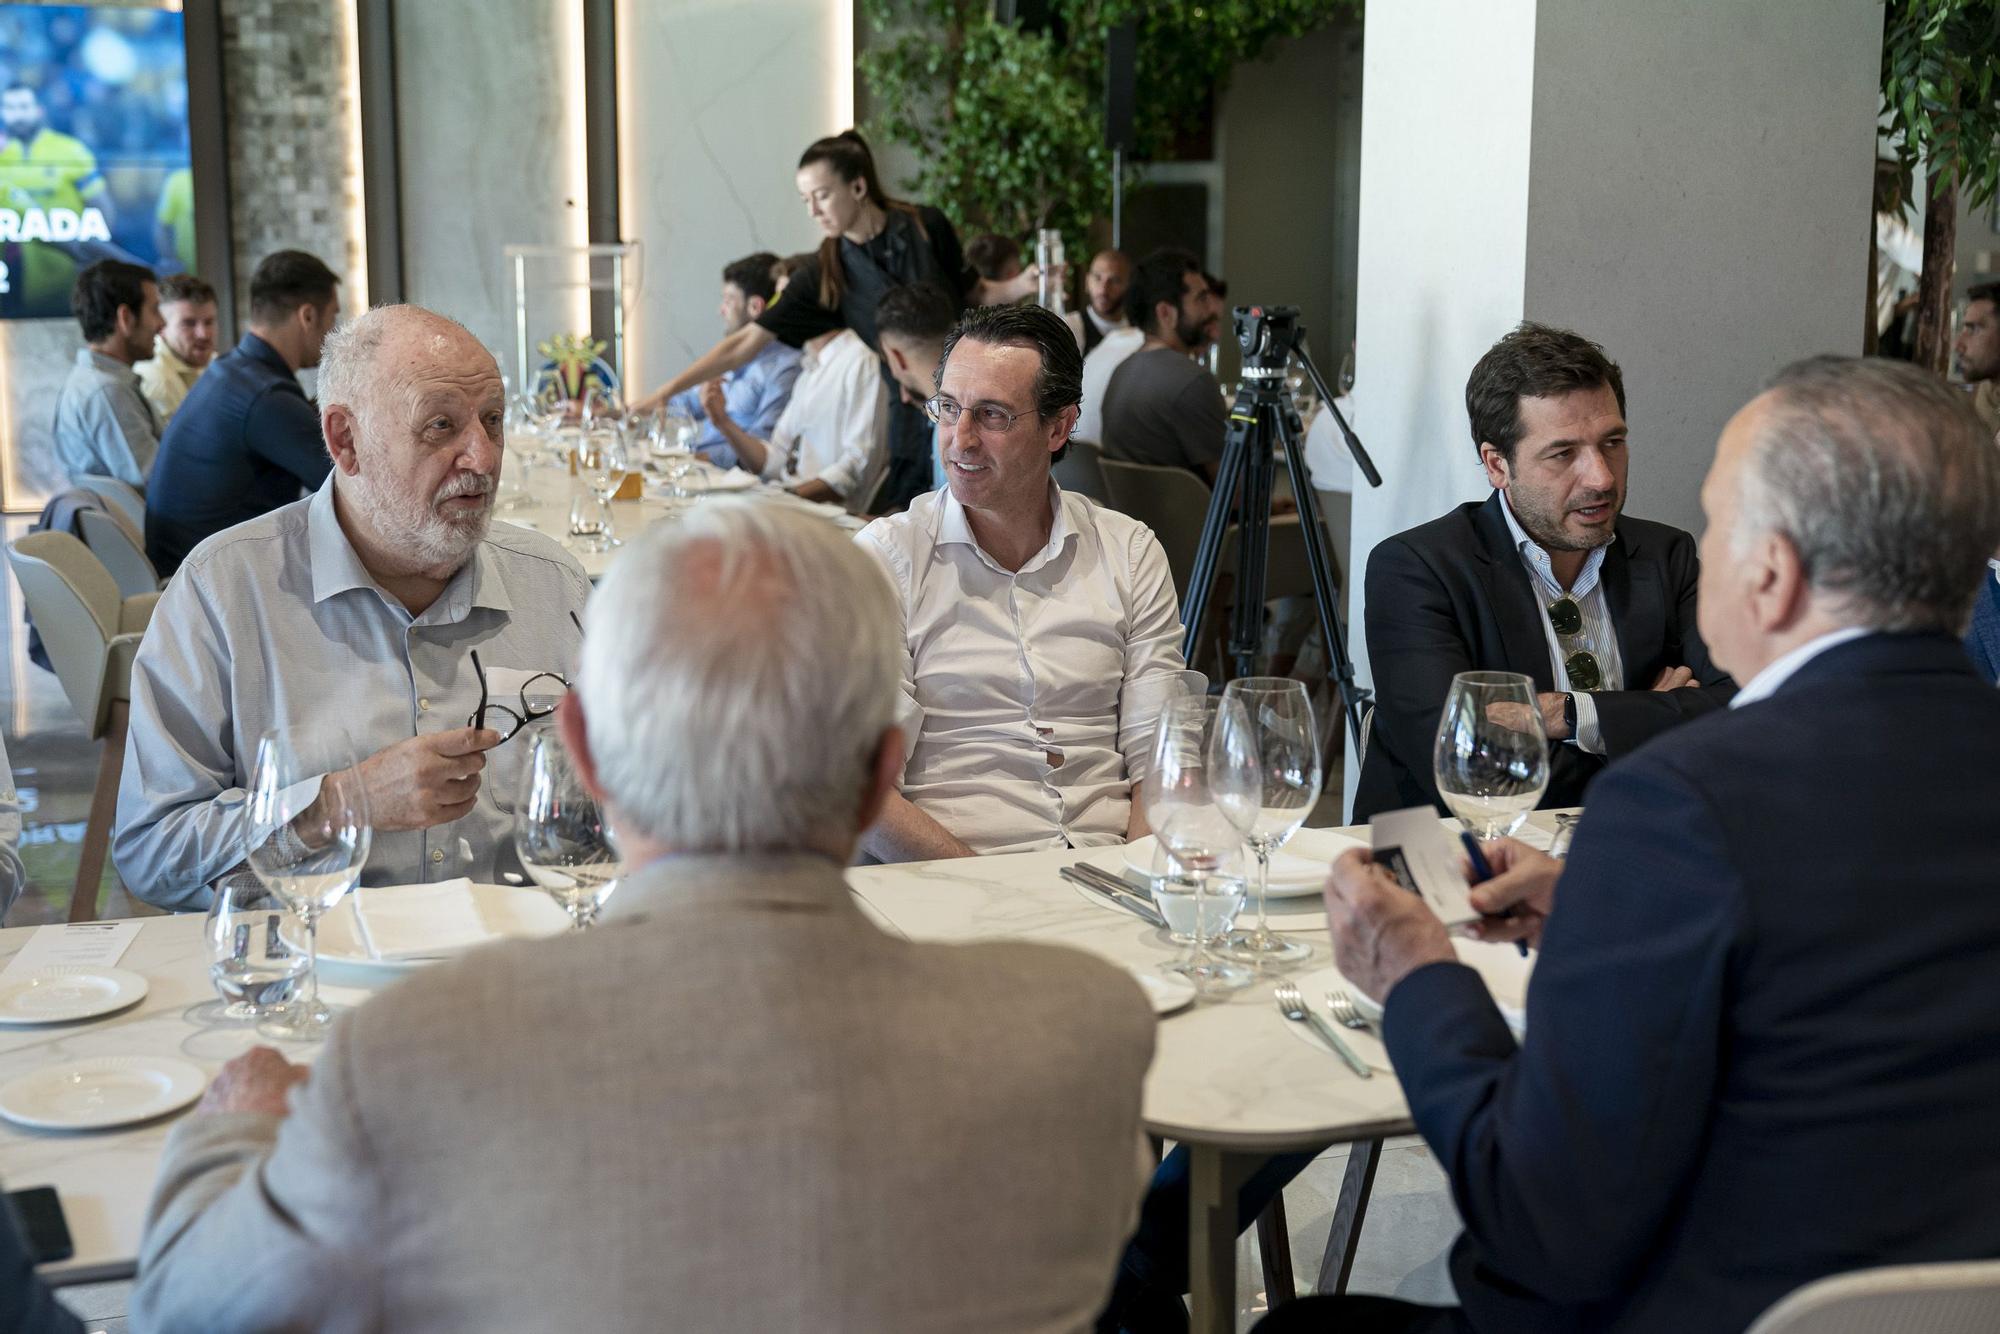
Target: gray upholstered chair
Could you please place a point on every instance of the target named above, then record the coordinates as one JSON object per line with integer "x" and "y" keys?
{"x": 1957, "y": 1298}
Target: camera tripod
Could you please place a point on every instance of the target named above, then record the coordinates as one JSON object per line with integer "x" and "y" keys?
{"x": 1262, "y": 417}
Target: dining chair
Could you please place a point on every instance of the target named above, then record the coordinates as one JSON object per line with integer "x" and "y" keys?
{"x": 122, "y": 494}
{"x": 92, "y": 632}
{"x": 110, "y": 538}
{"x": 1957, "y": 1298}
{"x": 1082, "y": 470}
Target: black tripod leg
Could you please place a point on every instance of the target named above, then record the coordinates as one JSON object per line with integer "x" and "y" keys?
{"x": 1352, "y": 699}
{"x": 1228, "y": 479}
{"x": 1253, "y": 518}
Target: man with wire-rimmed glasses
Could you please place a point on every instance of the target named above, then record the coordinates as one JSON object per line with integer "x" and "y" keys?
{"x": 1547, "y": 577}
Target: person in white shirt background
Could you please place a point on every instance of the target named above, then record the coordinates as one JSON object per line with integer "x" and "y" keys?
{"x": 830, "y": 443}
{"x": 1041, "y": 631}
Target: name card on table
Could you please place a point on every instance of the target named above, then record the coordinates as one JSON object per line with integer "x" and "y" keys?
{"x": 75, "y": 944}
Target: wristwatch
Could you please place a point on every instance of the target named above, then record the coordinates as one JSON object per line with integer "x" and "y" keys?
{"x": 1569, "y": 714}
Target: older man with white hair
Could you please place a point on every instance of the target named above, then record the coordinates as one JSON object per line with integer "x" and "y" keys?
{"x": 734, "y": 1103}
{"x": 384, "y": 606}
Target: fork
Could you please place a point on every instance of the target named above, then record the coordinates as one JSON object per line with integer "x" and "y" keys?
{"x": 1345, "y": 1012}
{"x": 1293, "y": 1006}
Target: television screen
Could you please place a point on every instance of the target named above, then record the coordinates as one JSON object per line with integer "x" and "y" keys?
{"x": 93, "y": 148}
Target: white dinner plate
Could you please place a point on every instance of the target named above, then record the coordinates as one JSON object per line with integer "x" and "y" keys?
{"x": 1167, "y": 993}
{"x": 101, "y": 1092}
{"x": 1298, "y": 869}
{"x": 511, "y": 912}
{"x": 63, "y": 993}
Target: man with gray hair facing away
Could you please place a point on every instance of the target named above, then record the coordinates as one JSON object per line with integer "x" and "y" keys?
{"x": 384, "y": 604}
{"x": 734, "y": 1103}
{"x": 1760, "y": 1047}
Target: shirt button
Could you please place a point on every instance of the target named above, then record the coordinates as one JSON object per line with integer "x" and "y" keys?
{"x": 423, "y": 706}
{"x": 437, "y": 854}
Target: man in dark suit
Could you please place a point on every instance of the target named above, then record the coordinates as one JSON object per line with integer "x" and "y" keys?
{"x": 1760, "y": 1033}
{"x": 1982, "y": 641}
{"x": 1546, "y": 578}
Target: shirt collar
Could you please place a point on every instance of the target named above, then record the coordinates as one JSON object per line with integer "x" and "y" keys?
{"x": 337, "y": 567}
{"x": 255, "y": 348}
{"x": 1767, "y": 682}
{"x": 1538, "y": 557}
{"x": 954, "y": 527}
{"x": 1104, "y": 326}
{"x": 97, "y": 361}
{"x": 164, "y": 353}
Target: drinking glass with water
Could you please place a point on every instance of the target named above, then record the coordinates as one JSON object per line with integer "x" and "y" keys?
{"x": 1492, "y": 756}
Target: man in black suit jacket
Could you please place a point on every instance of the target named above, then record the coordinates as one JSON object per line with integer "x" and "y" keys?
{"x": 1760, "y": 1033}
{"x": 1546, "y": 578}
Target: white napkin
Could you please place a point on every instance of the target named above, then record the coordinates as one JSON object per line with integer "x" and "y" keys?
{"x": 416, "y": 921}
{"x": 734, "y": 480}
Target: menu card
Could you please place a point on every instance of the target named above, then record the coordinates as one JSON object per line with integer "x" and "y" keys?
{"x": 84, "y": 944}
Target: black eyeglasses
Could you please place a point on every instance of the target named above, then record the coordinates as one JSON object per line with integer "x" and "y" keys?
{"x": 1566, "y": 619}
{"x": 508, "y": 722}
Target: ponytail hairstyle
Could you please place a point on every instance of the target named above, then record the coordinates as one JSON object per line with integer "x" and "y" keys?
{"x": 848, "y": 155}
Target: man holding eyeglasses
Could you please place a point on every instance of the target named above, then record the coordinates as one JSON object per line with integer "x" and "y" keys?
{"x": 384, "y": 605}
{"x": 1041, "y": 631}
{"x": 1547, "y": 578}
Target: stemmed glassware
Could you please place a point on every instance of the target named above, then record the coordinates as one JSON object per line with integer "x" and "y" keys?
{"x": 1282, "y": 731}
{"x": 602, "y": 462}
{"x": 560, "y": 834}
{"x": 671, "y": 444}
{"x": 1199, "y": 793}
{"x": 1492, "y": 755}
{"x": 307, "y": 843}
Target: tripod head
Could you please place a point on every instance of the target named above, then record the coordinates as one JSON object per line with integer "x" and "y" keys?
{"x": 1267, "y": 335}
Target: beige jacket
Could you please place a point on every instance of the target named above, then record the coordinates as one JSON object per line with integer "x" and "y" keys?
{"x": 734, "y": 1105}
{"x": 165, "y": 380}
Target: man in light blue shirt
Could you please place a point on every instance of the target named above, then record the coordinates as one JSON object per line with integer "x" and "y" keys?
{"x": 386, "y": 605}
{"x": 103, "y": 424}
{"x": 758, "y": 390}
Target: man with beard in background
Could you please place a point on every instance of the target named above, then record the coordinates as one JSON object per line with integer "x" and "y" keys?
{"x": 382, "y": 605}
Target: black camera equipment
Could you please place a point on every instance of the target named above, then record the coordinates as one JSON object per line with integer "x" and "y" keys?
{"x": 1262, "y": 418}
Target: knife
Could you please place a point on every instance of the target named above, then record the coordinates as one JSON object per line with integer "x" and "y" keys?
{"x": 1146, "y": 914}
{"x": 1113, "y": 884}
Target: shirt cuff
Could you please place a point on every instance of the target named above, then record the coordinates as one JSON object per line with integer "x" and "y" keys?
{"x": 1588, "y": 738}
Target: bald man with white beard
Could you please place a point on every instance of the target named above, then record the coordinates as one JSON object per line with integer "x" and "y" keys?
{"x": 385, "y": 605}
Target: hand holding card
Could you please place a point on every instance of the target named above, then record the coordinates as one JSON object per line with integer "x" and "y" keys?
{"x": 1416, "y": 847}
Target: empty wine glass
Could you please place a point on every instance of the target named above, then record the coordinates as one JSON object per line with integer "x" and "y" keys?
{"x": 602, "y": 462}
{"x": 1279, "y": 715}
{"x": 1200, "y": 791}
{"x": 254, "y": 959}
{"x": 1492, "y": 756}
{"x": 309, "y": 833}
{"x": 560, "y": 834}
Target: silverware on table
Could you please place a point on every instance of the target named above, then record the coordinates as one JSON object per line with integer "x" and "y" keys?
{"x": 1345, "y": 1012}
{"x": 1141, "y": 911}
{"x": 1118, "y": 885}
{"x": 1293, "y": 1006}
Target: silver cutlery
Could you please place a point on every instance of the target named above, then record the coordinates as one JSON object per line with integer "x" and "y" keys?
{"x": 1116, "y": 885}
{"x": 1293, "y": 1006}
{"x": 1145, "y": 914}
{"x": 1345, "y": 1012}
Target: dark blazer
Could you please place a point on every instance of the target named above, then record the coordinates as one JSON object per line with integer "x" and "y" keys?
{"x": 245, "y": 441}
{"x": 1983, "y": 640}
{"x": 1451, "y": 596}
{"x": 1761, "y": 1031}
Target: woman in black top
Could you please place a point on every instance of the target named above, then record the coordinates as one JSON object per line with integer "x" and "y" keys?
{"x": 872, "y": 243}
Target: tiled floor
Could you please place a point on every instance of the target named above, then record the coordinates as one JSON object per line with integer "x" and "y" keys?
{"x": 1410, "y": 1224}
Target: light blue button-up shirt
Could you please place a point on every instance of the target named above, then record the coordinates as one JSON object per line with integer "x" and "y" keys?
{"x": 755, "y": 393}
{"x": 276, "y": 623}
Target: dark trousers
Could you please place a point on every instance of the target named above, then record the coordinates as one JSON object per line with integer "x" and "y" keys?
{"x": 1361, "y": 1315}
{"x": 1153, "y": 1275}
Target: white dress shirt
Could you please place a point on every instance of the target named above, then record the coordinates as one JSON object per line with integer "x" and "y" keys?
{"x": 1105, "y": 358}
{"x": 1599, "y": 634}
{"x": 835, "y": 428}
{"x": 1030, "y": 696}
{"x": 1766, "y": 683}
{"x": 276, "y": 623}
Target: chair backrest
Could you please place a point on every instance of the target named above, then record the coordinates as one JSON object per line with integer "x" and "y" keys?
{"x": 1173, "y": 502}
{"x": 76, "y": 606}
{"x": 110, "y": 540}
{"x": 1958, "y": 1298}
{"x": 129, "y": 502}
{"x": 1082, "y": 471}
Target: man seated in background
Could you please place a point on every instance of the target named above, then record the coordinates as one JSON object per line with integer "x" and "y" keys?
{"x": 911, "y": 325}
{"x": 831, "y": 441}
{"x": 1161, "y": 406}
{"x": 183, "y": 348}
{"x": 1759, "y": 1046}
{"x": 1977, "y": 351}
{"x": 246, "y": 439}
{"x": 858, "y": 1149}
{"x": 1104, "y": 286}
{"x": 384, "y": 604}
{"x": 756, "y": 392}
{"x": 1547, "y": 577}
{"x": 1040, "y": 635}
{"x": 103, "y": 425}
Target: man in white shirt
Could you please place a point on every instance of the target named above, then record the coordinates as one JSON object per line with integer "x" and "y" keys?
{"x": 1104, "y": 359}
{"x": 831, "y": 442}
{"x": 181, "y": 350}
{"x": 1042, "y": 634}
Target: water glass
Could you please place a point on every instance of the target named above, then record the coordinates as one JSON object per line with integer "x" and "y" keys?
{"x": 1285, "y": 737}
{"x": 309, "y": 834}
{"x": 1049, "y": 262}
{"x": 1189, "y": 901}
{"x": 560, "y": 834}
{"x": 602, "y": 463}
{"x": 1199, "y": 793}
{"x": 1491, "y": 760}
{"x": 255, "y": 957}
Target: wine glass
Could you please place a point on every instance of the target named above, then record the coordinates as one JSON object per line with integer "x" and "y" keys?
{"x": 602, "y": 462}
{"x": 308, "y": 842}
{"x": 560, "y": 834}
{"x": 254, "y": 961}
{"x": 1199, "y": 793}
{"x": 1492, "y": 756}
{"x": 1286, "y": 740}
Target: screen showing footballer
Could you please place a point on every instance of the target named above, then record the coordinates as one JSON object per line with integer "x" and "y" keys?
{"x": 93, "y": 148}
